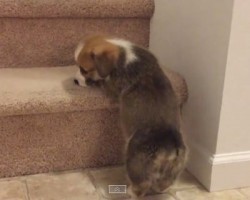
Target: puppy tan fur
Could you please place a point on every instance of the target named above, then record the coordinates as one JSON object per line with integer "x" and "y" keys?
{"x": 155, "y": 151}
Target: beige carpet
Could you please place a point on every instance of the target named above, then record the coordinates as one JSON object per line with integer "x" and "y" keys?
{"x": 44, "y": 33}
{"x": 48, "y": 90}
{"x": 45, "y": 90}
{"x": 76, "y": 8}
{"x": 48, "y": 124}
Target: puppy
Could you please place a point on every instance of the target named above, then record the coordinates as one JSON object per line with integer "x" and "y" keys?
{"x": 155, "y": 150}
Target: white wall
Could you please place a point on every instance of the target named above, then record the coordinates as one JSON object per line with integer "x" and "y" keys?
{"x": 208, "y": 42}
{"x": 188, "y": 38}
{"x": 192, "y": 37}
{"x": 235, "y": 113}
{"x": 233, "y": 144}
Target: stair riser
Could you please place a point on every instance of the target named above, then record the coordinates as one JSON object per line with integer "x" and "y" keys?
{"x": 59, "y": 141}
{"x": 51, "y": 42}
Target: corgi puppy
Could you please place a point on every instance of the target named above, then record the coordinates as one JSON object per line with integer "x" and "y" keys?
{"x": 155, "y": 150}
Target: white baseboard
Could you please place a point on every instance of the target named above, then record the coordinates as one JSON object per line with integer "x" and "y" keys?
{"x": 235, "y": 157}
{"x": 219, "y": 171}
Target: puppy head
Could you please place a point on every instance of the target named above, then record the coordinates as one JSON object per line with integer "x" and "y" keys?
{"x": 96, "y": 58}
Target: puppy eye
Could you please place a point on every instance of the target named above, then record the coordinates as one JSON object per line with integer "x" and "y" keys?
{"x": 83, "y": 71}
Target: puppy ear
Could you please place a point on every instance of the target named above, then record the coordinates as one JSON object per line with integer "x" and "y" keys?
{"x": 105, "y": 59}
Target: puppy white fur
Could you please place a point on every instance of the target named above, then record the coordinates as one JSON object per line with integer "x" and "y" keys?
{"x": 79, "y": 79}
{"x": 78, "y": 49}
{"x": 127, "y": 46}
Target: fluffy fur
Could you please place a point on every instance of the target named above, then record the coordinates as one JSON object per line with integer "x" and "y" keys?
{"x": 128, "y": 48}
{"x": 155, "y": 151}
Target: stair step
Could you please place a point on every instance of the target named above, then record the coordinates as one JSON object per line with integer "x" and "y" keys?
{"x": 44, "y": 33}
{"x": 49, "y": 124}
{"x": 46, "y": 90}
{"x": 76, "y": 8}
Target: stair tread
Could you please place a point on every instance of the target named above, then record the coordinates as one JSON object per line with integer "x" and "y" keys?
{"x": 46, "y": 90}
{"x": 76, "y": 8}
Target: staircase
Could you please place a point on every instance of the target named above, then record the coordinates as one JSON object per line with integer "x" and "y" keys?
{"x": 46, "y": 122}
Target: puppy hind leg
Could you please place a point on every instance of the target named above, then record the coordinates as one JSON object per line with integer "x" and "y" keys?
{"x": 162, "y": 186}
{"x": 139, "y": 190}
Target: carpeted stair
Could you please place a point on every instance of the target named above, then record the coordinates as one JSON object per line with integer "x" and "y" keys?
{"x": 35, "y": 33}
{"x": 46, "y": 122}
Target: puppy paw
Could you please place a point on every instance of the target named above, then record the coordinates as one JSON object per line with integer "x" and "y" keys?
{"x": 131, "y": 193}
{"x": 79, "y": 79}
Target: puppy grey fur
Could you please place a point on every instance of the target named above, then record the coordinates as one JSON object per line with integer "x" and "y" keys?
{"x": 155, "y": 151}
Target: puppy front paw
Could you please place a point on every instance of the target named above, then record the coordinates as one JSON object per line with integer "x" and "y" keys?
{"x": 79, "y": 79}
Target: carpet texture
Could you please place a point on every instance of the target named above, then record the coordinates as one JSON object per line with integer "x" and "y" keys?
{"x": 45, "y": 33}
{"x": 51, "y": 42}
{"x": 51, "y": 90}
{"x": 76, "y": 8}
{"x": 49, "y": 124}
{"x": 46, "y": 90}
{"x": 40, "y": 143}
